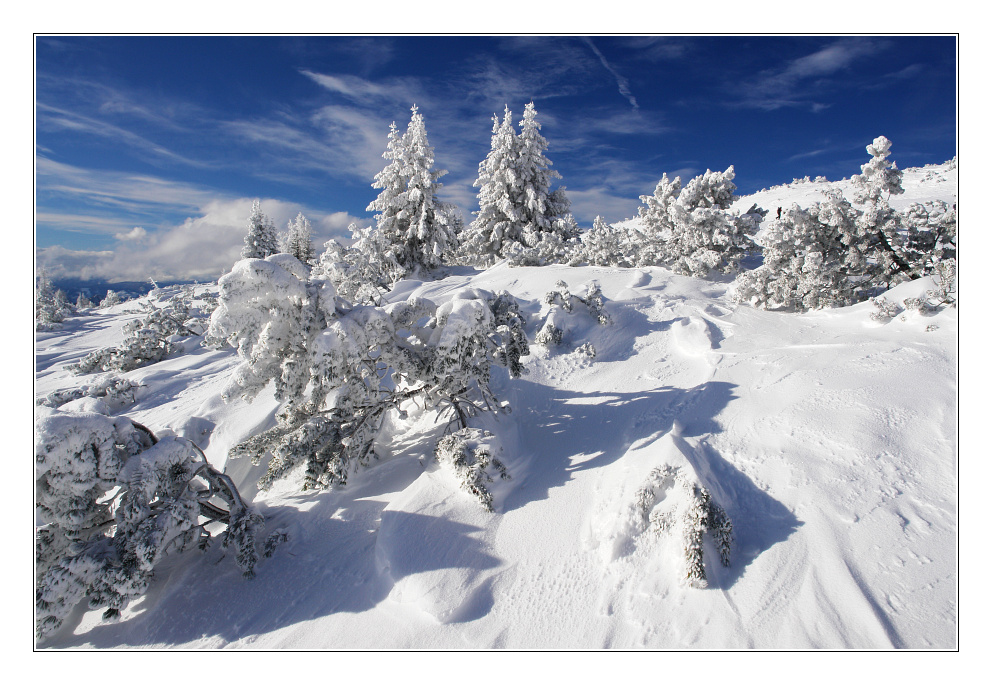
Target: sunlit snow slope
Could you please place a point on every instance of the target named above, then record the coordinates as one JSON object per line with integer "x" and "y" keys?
{"x": 828, "y": 438}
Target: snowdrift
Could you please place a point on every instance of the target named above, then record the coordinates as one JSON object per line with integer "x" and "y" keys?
{"x": 828, "y": 439}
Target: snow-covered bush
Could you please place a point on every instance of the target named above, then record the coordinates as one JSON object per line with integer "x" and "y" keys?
{"x": 885, "y": 311}
{"x": 357, "y": 272}
{"x": 340, "y": 368}
{"x": 559, "y": 245}
{"x": 561, "y": 302}
{"x": 261, "y": 239}
{"x": 810, "y": 259}
{"x": 113, "y": 500}
{"x": 116, "y": 391}
{"x": 834, "y": 253}
{"x": 470, "y": 454}
{"x": 931, "y": 235}
{"x": 519, "y": 215}
{"x": 51, "y": 306}
{"x": 943, "y": 293}
{"x": 410, "y": 227}
{"x": 149, "y": 339}
{"x": 675, "y": 504}
{"x": 606, "y": 245}
{"x": 111, "y": 298}
{"x": 690, "y": 229}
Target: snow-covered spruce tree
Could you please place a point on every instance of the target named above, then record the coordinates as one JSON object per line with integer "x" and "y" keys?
{"x": 340, "y": 368}
{"x": 519, "y": 215}
{"x": 83, "y": 302}
{"x": 415, "y": 234}
{"x": 548, "y": 230}
{"x": 299, "y": 239}
{"x": 498, "y": 221}
{"x": 689, "y": 512}
{"x": 149, "y": 339}
{"x": 51, "y": 305}
{"x": 110, "y": 299}
{"x": 691, "y": 230}
{"x": 261, "y": 239}
{"x": 113, "y": 500}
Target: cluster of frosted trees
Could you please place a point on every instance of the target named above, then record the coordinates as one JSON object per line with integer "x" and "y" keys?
{"x": 834, "y": 253}
{"x": 520, "y": 217}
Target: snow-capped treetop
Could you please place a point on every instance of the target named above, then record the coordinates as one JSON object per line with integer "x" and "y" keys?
{"x": 407, "y": 220}
{"x": 879, "y": 176}
{"x": 261, "y": 239}
{"x": 519, "y": 215}
{"x": 540, "y": 205}
{"x": 299, "y": 239}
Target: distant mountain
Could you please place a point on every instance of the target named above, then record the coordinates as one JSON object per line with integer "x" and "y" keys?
{"x": 96, "y": 290}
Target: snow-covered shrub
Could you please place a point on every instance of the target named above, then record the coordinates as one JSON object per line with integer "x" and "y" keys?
{"x": 931, "y": 235}
{"x": 113, "y": 500}
{"x": 149, "y": 339}
{"x": 111, "y": 298}
{"x": 409, "y": 225}
{"x": 606, "y": 245}
{"x": 516, "y": 203}
{"x": 690, "y": 229}
{"x": 509, "y": 323}
{"x": 261, "y": 239}
{"x": 879, "y": 226}
{"x": 355, "y": 272}
{"x": 944, "y": 292}
{"x": 809, "y": 259}
{"x": 884, "y": 310}
{"x": 339, "y": 368}
{"x": 116, "y": 391}
{"x": 558, "y": 245}
{"x": 469, "y": 454}
{"x": 834, "y": 253}
{"x": 675, "y": 504}
{"x": 561, "y": 302}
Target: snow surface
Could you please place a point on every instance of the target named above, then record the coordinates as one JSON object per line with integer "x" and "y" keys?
{"x": 829, "y": 439}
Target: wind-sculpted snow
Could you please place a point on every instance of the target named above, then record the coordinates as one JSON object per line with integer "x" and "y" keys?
{"x": 828, "y": 439}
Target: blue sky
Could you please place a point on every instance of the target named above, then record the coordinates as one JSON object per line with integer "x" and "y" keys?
{"x": 149, "y": 150}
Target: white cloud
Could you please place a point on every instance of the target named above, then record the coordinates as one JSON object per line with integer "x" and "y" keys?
{"x": 602, "y": 201}
{"x": 136, "y": 233}
{"x": 202, "y": 246}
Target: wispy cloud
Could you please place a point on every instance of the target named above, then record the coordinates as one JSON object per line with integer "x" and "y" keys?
{"x": 369, "y": 93}
{"x": 804, "y": 82}
{"x": 109, "y": 193}
{"x": 623, "y": 85}
{"x": 55, "y": 118}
